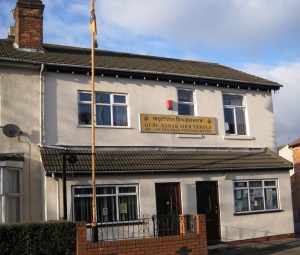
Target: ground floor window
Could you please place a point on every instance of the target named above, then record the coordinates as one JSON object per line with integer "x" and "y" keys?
{"x": 255, "y": 195}
{"x": 113, "y": 203}
{"x": 10, "y": 196}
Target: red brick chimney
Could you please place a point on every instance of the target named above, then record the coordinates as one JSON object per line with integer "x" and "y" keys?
{"x": 28, "y": 16}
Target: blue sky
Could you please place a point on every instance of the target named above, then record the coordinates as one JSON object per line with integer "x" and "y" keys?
{"x": 257, "y": 36}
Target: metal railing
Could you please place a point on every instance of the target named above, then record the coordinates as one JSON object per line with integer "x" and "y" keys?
{"x": 144, "y": 227}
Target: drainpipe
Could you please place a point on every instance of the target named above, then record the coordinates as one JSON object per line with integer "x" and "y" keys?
{"x": 42, "y": 93}
{"x": 41, "y": 140}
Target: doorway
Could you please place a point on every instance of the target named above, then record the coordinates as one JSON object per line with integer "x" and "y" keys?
{"x": 208, "y": 204}
{"x": 168, "y": 208}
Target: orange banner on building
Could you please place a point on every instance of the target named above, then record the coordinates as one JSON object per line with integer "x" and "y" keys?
{"x": 177, "y": 124}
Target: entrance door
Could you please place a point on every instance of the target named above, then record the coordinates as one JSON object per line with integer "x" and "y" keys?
{"x": 207, "y": 203}
{"x": 168, "y": 207}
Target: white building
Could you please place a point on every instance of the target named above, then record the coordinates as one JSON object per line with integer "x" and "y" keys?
{"x": 172, "y": 136}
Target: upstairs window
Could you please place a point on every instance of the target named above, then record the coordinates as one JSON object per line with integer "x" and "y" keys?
{"x": 110, "y": 109}
{"x": 234, "y": 114}
{"x": 185, "y": 102}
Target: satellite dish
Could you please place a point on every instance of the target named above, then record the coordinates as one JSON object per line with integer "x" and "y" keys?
{"x": 11, "y": 130}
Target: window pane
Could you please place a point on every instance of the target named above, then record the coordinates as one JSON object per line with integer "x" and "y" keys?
{"x": 105, "y": 190}
{"x": 12, "y": 184}
{"x": 271, "y": 198}
{"x": 127, "y": 189}
{"x": 255, "y": 183}
{"x": 83, "y": 191}
{"x": 120, "y": 115}
{"x": 185, "y": 96}
{"x": 12, "y": 209}
{"x": 229, "y": 121}
{"x": 83, "y": 209}
{"x": 236, "y": 100}
{"x": 84, "y": 114}
{"x": 256, "y": 199}
{"x": 240, "y": 121}
{"x": 240, "y": 184}
{"x": 106, "y": 209}
{"x": 102, "y": 98}
{"x": 84, "y": 96}
{"x": 127, "y": 208}
{"x": 119, "y": 99}
{"x": 241, "y": 200}
{"x": 103, "y": 115}
{"x": 185, "y": 109}
{"x": 270, "y": 183}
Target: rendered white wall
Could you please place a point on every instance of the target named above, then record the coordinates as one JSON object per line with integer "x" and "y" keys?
{"x": 149, "y": 97}
{"x": 232, "y": 227}
{"x": 20, "y": 105}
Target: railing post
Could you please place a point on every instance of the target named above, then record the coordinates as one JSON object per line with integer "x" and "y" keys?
{"x": 182, "y": 224}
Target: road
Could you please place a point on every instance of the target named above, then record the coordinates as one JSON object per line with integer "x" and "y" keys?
{"x": 285, "y": 247}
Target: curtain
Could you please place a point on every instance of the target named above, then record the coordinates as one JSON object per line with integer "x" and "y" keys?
{"x": 120, "y": 115}
{"x": 240, "y": 121}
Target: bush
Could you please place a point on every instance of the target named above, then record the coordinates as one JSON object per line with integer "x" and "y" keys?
{"x": 38, "y": 238}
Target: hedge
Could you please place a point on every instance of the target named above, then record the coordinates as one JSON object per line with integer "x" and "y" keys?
{"x": 38, "y": 238}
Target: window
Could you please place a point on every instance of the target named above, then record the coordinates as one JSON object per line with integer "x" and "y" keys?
{"x": 255, "y": 195}
{"x": 234, "y": 114}
{"x": 9, "y": 195}
{"x": 113, "y": 203}
{"x": 185, "y": 102}
{"x": 110, "y": 109}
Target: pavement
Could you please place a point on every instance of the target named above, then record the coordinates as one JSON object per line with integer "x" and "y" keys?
{"x": 283, "y": 247}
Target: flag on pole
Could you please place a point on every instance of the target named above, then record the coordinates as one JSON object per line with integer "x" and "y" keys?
{"x": 93, "y": 25}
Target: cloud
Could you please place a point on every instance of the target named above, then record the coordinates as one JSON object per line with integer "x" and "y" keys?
{"x": 246, "y": 25}
{"x": 286, "y": 102}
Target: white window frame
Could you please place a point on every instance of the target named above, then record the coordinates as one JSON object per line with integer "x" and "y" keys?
{"x": 244, "y": 106}
{"x": 111, "y": 104}
{"x": 4, "y": 195}
{"x": 193, "y": 104}
{"x": 263, "y": 187}
{"x": 116, "y": 195}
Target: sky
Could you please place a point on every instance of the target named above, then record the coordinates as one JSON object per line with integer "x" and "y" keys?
{"x": 260, "y": 37}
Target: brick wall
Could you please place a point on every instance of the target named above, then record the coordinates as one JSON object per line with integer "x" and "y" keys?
{"x": 295, "y": 183}
{"x": 183, "y": 244}
{"x": 29, "y": 25}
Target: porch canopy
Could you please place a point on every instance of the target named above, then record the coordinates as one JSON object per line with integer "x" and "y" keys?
{"x": 116, "y": 160}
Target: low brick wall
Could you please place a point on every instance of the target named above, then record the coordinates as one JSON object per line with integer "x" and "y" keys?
{"x": 183, "y": 244}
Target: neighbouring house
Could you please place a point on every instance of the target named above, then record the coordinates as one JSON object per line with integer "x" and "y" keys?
{"x": 173, "y": 137}
{"x": 291, "y": 152}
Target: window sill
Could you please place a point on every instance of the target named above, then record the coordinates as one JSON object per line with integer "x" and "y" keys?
{"x": 190, "y": 136}
{"x": 258, "y": 212}
{"x": 238, "y": 137}
{"x": 114, "y": 127}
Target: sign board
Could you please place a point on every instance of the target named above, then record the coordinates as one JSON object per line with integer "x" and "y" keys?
{"x": 123, "y": 208}
{"x": 177, "y": 124}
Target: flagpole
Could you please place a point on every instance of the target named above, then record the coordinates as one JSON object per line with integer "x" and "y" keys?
{"x": 94, "y": 220}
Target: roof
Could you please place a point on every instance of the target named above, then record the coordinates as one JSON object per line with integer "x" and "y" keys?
{"x": 161, "y": 160}
{"x": 295, "y": 143}
{"x": 66, "y": 56}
